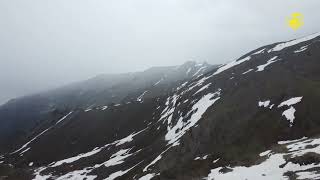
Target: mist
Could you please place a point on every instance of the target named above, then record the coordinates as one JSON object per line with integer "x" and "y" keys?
{"x": 45, "y": 44}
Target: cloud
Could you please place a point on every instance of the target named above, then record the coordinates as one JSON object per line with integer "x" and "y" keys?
{"x": 48, "y": 43}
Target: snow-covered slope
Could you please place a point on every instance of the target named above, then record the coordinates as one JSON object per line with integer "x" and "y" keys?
{"x": 252, "y": 118}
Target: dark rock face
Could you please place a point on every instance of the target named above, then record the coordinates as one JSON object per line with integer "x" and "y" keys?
{"x": 213, "y": 123}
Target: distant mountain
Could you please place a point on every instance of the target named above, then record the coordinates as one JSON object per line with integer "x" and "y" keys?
{"x": 20, "y": 116}
{"x": 254, "y": 118}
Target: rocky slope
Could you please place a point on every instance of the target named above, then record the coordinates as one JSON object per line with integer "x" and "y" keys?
{"x": 22, "y": 115}
{"x": 253, "y": 118}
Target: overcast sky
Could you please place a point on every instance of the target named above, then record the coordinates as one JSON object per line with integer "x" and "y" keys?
{"x": 48, "y": 43}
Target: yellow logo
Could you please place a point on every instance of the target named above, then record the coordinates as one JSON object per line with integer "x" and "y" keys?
{"x": 295, "y": 21}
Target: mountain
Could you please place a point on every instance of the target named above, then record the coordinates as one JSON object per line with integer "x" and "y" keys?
{"x": 22, "y": 115}
{"x": 253, "y": 118}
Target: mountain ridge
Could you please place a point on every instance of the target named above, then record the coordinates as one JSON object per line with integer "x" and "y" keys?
{"x": 237, "y": 121}
{"x": 97, "y": 91}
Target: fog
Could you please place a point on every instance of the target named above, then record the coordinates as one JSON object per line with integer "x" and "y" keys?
{"x": 49, "y": 43}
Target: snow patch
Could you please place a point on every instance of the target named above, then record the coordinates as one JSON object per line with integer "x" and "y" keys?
{"x": 303, "y": 48}
{"x": 177, "y": 131}
{"x": 155, "y": 160}
{"x": 203, "y": 88}
{"x": 308, "y": 175}
{"x": 37, "y": 136}
{"x": 216, "y": 160}
{"x": 292, "y": 141}
{"x": 289, "y": 114}
{"x": 24, "y": 151}
{"x": 75, "y": 158}
{"x": 231, "y": 64}
{"x": 284, "y": 45}
{"x": 117, "y": 158}
{"x": 258, "y": 52}
{"x": 264, "y": 103}
{"x": 167, "y": 113}
{"x": 247, "y": 71}
{"x": 188, "y": 71}
{"x": 96, "y": 150}
{"x": 120, "y": 173}
{"x": 199, "y": 70}
{"x": 198, "y": 83}
{"x": 128, "y": 138}
{"x": 201, "y": 158}
{"x": 158, "y": 82}
{"x": 64, "y": 117}
{"x": 77, "y": 175}
{"x": 262, "y": 67}
{"x": 265, "y": 153}
{"x": 271, "y": 168}
{"x": 147, "y": 177}
{"x": 290, "y": 102}
{"x": 182, "y": 85}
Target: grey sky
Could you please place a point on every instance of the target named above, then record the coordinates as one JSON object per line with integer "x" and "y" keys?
{"x": 47, "y": 43}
